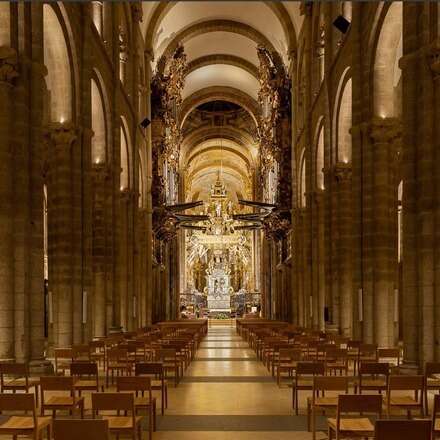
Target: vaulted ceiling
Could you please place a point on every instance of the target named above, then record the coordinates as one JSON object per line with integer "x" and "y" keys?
{"x": 220, "y": 40}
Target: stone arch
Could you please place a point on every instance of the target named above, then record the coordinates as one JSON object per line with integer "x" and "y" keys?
{"x": 388, "y": 50}
{"x": 99, "y": 124}
{"x": 277, "y": 8}
{"x": 5, "y": 24}
{"x": 319, "y": 154}
{"x": 59, "y": 80}
{"x": 223, "y": 59}
{"x": 125, "y": 155}
{"x": 219, "y": 26}
{"x": 224, "y": 93}
{"x": 342, "y": 121}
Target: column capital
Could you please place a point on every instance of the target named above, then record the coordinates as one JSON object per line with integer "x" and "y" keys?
{"x": 433, "y": 55}
{"x": 342, "y": 171}
{"x": 8, "y": 64}
{"x": 385, "y": 130}
{"x": 61, "y": 133}
{"x": 128, "y": 194}
{"x": 101, "y": 172}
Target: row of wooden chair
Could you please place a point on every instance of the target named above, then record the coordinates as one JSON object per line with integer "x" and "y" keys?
{"x": 351, "y": 421}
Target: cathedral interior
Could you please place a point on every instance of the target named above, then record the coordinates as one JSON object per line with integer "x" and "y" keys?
{"x": 206, "y": 199}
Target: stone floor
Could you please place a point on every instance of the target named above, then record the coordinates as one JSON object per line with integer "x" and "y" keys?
{"x": 228, "y": 394}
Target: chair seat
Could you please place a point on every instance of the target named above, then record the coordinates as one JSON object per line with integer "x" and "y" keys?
{"x": 437, "y": 426}
{"x": 304, "y": 383}
{"x": 24, "y": 422}
{"x": 374, "y": 383}
{"x": 403, "y": 401}
{"x": 21, "y": 382}
{"x": 60, "y": 401}
{"x": 144, "y": 401}
{"x": 288, "y": 365}
{"x": 325, "y": 401}
{"x": 121, "y": 422}
{"x": 354, "y": 425}
{"x": 157, "y": 384}
{"x": 433, "y": 382}
{"x": 118, "y": 365}
{"x": 86, "y": 384}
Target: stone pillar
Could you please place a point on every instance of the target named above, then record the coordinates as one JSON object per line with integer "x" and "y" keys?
{"x": 320, "y": 260}
{"x": 60, "y": 140}
{"x": 342, "y": 173}
{"x": 8, "y": 71}
{"x": 385, "y": 135}
{"x": 100, "y": 182}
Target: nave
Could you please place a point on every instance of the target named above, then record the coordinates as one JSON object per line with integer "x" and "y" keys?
{"x": 228, "y": 394}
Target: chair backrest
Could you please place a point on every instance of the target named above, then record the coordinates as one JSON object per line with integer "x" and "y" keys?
{"x": 63, "y": 353}
{"x": 388, "y": 353}
{"x": 14, "y": 369}
{"x": 333, "y": 353}
{"x": 436, "y": 409}
{"x": 166, "y": 353}
{"x": 403, "y": 429}
{"x": 17, "y": 402}
{"x": 83, "y": 369}
{"x": 330, "y": 383}
{"x": 368, "y": 350}
{"x": 112, "y": 402}
{"x": 116, "y": 354}
{"x": 81, "y": 350}
{"x": 382, "y": 368}
{"x": 133, "y": 383}
{"x": 432, "y": 368}
{"x": 310, "y": 368}
{"x": 71, "y": 429}
{"x": 293, "y": 354}
{"x": 57, "y": 383}
{"x": 360, "y": 403}
{"x": 405, "y": 383}
{"x": 148, "y": 368}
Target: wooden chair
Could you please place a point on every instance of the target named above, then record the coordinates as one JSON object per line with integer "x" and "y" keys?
{"x": 28, "y": 425}
{"x": 15, "y": 377}
{"x": 81, "y": 352}
{"x": 129, "y": 425}
{"x": 322, "y": 384}
{"x": 63, "y": 358}
{"x": 156, "y": 372}
{"x": 435, "y": 417}
{"x": 140, "y": 385}
{"x": 74, "y": 429}
{"x": 432, "y": 380}
{"x": 288, "y": 359}
{"x": 391, "y": 356}
{"x": 336, "y": 360}
{"x": 117, "y": 361}
{"x": 56, "y": 401}
{"x": 366, "y": 353}
{"x": 350, "y": 427}
{"x": 405, "y": 402}
{"x": 373, "y": 376}
{"x": 170, "y": 362}
{"x": 402, "y": 430}
{"x": 303, "y": 379}
{"x": 97, "y": 352}
{"x": 86, "y": 376}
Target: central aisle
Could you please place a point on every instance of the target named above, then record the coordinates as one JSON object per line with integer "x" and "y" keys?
{"x": 228, "y": 394}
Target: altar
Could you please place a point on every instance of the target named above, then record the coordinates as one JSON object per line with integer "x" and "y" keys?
{"x": 218, "y": 288}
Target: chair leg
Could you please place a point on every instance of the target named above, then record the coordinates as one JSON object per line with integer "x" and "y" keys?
{"x": 154, "y": 417}
{"x": 150, "y": 423}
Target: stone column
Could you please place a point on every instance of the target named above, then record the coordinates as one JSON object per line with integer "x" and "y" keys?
{"x": 60, "y": 140}
{"x": 385, "y": 134}
{"x": 320, "y": 260}
{"x": 342, "y": 173}
{"x": 8, "y": 71}
{"x": 100, "y": 181}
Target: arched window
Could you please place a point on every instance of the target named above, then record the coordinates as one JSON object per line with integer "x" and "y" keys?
{"x": 387, "y": 73}
{"x": 320, "y": 159}
{"x": 56, "y": 59}
{"x": 5, "y": 24}
{"x": 344, "y": 123}
{"x": 124, "y": 160}
{"x": 99, "y": 139}
{"x": 302, "y": 181}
